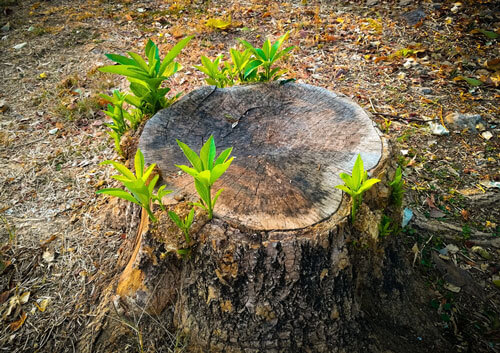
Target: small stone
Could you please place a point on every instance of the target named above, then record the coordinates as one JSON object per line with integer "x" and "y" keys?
{"x": 3, "y": 106}
{"x": 414, "y": 17}
{"x": 426, "y": 90}
{"x": 405, "y": 3}
{"x": 53, "y": 131}
{"x": 487, "y": 135}
{"x": 459, "y": 122}
{"x": 371, "y": 2}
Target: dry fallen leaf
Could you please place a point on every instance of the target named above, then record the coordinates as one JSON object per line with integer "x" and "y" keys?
{"x": 219, "y": 23}
{"x": 16, "y": 325}
{"x": 43, "y": 305}
{"x": 48, "y": 256}
{"x": 23, "y": 299}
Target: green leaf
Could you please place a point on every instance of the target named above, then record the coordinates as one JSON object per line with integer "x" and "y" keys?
{"x": 217, "y": 194}
{"x": 251, "y": 67}
{"x": 206, "y": 151}
{"x": 367, "y": 185}
{"x": 152, "y": 184}
{"x": 120, "y": 168}
{"x": 191, "y": 156}
{"x": 473, "y": 82}
{"x": 138, "y": 89}
{"x": 223, "y": 156}
{"x": 200, "y": 205}
{"x": 357, "y": 173}
{"x": 189, "y": 219}
{"x": 266, "y": 50}
{"x": 345, "y": 188}
{"x": 202, "y": 191}
{"x": 162, "y": 192}
{"x": 124, "y": 70}
{"x": 119, "y": 193}
{"x": 247, "y": 45}
{"x": 139, "y": 163}
{"x": 174, "y": 217}
{"x": 283, "y": 52}
{"x": 187, "y": 170}
{"x": 120, "y": 59}
{"x": 347, "y": 179}
{"x": 148, "y": 172}
{"x": 204, "y": 177}
{"x": 135, "y": 101}
{"x": 489, "y": 34}
{"x": 218, "y": 170}
{"x": 140, "y": 62}
{"x": 173, "y": 53}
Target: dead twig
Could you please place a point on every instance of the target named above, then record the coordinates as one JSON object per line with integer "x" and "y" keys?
{"x": 400, "y": 118}
{"x": 444, "y": 229}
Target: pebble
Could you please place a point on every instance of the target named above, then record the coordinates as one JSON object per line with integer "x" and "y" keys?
{"x": 457, "y": 121}
{"x": 426, "y": 90}
{"x": 414, "y": 17}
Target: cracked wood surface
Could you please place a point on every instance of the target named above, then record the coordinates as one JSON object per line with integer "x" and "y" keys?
{"x": 290, "y": 142}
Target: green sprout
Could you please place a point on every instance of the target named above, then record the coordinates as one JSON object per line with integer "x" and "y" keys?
{"x": 140, "y": 191}
{"x": 184, "y": 225}
{"x": 122, "y": 120}
{"x": 356, "y": 185}
{"x": 146, "y": 77}
{"x": 266, "y": 57}
{"x": 397, "y": 186}
{"x": 206, "y": 170}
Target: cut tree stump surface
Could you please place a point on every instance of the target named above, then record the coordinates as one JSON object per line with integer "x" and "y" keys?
{"x": 290, "y": 142}
{"x": 283, "y": 268}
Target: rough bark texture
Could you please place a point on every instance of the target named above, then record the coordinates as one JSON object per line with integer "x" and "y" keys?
{"x": 285, "y": 270}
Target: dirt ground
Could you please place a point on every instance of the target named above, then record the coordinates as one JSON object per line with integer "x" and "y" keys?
{"x": 406, "y": 62}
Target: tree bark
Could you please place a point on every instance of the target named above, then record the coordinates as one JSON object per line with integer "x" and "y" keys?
{"x": 281, "y": 267}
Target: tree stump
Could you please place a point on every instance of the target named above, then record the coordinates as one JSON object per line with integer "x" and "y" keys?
{"x": 280, "y": 267}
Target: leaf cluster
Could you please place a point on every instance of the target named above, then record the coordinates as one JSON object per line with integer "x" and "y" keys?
{"x": 140, "y": 191}
{"x": 184, "y": 225}
{"x": 356, "y": 184}
{"x": 265, "y": 57}
{"x": 397, "y": 188}
{"x": 122, "y": 119}
{"x": 250, "y": 65}
{"x": 146, "y": 78}
{"x": 206, "y": 169}
{"x": 385, "y": 227}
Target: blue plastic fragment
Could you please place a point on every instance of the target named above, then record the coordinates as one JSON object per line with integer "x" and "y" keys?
{"x": 443, "y": 251}
{"x": 407, "y": 216}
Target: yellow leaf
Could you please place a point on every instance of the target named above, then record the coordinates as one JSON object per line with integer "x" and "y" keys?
{"x": 43, "y": 75}
{"x": 219, "y": 23}
{"x": 43, "y": 305}
{"x": 16, "y": 325}
{"x": 23, "y": 299}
